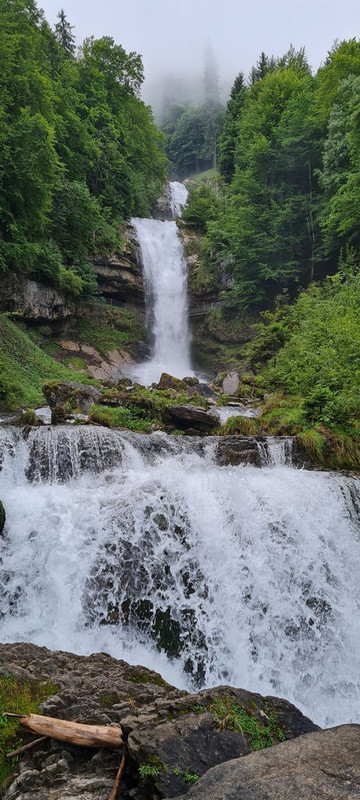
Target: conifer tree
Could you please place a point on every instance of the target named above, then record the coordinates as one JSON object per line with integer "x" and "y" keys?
{"x": 64, "y": 35}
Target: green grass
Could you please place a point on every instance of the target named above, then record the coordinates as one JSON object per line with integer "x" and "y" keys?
{"x": 234, "y": 717}
{"x": 24, "y": 367}
{"x": 200, "y": 177}
{"x": 243, "y": 426}
{"x": 19, "y": 697}
{"x": 112, "y": 329}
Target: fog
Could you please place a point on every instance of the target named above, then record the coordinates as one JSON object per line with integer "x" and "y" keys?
{"x": 172, "y": 36}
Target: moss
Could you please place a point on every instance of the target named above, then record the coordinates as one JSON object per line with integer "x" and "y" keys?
{"x": 229, "y": 715}
{"x": 137, "y": 676}
{"x": 19, "y": 697}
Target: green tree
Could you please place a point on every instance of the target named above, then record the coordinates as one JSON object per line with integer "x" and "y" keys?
{"x": 230, "y": 128}
{"x": 64, "y": 35}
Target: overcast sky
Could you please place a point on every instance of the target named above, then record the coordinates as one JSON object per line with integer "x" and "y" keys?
{"x": 171, "y": 35}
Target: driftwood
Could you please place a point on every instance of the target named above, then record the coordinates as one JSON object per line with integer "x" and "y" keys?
{"x": 72, "y": 732}
{"x": 26, "y": 747}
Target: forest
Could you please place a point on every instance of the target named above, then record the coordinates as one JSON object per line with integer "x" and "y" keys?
{"x": 283, "y": 219}
{"x": 277, "y": 212}
{"x": 79, "y": 149}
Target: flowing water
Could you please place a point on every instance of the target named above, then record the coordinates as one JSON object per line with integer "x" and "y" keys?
{"x": 144, "y": 547}
{"x": 165, "y": 278}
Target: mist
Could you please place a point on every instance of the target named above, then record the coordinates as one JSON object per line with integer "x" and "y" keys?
{"x": 172, "y": 37}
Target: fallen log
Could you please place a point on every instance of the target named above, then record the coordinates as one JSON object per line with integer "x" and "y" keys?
{"x": 72, "y": 732}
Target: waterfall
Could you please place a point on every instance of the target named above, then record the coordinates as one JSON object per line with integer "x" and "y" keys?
{"x": 165, "y": 277}
{"x": 144, "y": 547}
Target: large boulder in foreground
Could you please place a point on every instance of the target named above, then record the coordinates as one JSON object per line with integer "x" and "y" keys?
{"x": 172, "y": 737}
{"x": 319, "y": 766}
{"x": 188, "y": 416}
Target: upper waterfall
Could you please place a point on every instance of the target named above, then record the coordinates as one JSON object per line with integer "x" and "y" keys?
{"x": 165, "y": 276}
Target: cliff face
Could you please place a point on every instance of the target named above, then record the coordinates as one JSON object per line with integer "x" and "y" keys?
{"x": 120, "y": 276}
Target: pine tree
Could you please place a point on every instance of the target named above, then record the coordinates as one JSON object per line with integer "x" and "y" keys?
{"x": 64, "y": 35}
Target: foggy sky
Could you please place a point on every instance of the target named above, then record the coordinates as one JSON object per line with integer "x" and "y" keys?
{"x": 171, "y": 35}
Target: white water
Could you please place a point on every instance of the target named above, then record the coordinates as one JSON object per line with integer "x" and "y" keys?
{"x": 178, "y": 198}
{"x": 259, "y": 568}
{"x": 165, "y": 276}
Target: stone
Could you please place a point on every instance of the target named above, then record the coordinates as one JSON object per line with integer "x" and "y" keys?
{"x": 120, "y": 275}
{"x": 68, "y": 344}
{"x": 36, "y": 302}
{"x": 169, "y": 382}
{"x": 235, "y": 450}
{"x": 75, "y": 395}
{"x": 164, "y": 726}
{"x": 319, "y": 765}
{"x": 193, "y": 740}
{"x": 231, "y": 383}
{"x": 188, "y": 416}
{"x": 43, "y": 414}
{"x": 2, "y": 517}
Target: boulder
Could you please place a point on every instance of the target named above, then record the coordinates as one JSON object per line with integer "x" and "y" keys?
{"x": 169, "y": 382}
{"x": 173, "y": 737}
{"x": 200, "y": 731}
{"x": 73, "y": 394}
{"x": 235, "y": 450}
{"x": 188, "y": 416}
{"x": 2, "y": 517}
{"x": 231, "y": 383}
{"x": 316, "y": 766}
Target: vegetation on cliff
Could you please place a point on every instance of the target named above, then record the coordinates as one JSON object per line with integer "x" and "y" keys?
{"x": 79, "y": 149}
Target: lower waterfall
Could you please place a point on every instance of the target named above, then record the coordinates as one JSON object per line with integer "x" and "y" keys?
{"x": 143, "y": 546}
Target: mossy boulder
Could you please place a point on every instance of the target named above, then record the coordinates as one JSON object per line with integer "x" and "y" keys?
{"x": 169, "y": 382}
{"x": 71, "y": 395}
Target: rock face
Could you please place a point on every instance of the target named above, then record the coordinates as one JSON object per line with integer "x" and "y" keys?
{"x": 188, "y": 416}
{"x": 2, "y": 517}
{"x": 120, "y": 276}
{"x": 235, "y": 450}
{"x": 74, "y": 395}
{"x": 172, "y": 737}
{"x": 35, "y": 301}
{"x": 314, "y": 767}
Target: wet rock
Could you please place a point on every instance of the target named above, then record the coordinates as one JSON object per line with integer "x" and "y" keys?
{"x": 319, "y": 765}
{"x": 2, "y": 517}
{"x": 180, "y": 735}
{"x": 191, "y": 381}
{"x": 189, "y": 416}
{"x": 231, "y": 383}
{"x": 203, "y": 389}
{"x": 169, "y": 382}
{"x": 235, "y": 450}
{"x": 74, "y": 395}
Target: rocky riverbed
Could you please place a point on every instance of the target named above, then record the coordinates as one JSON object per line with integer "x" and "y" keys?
{"x": 224, "y": 743}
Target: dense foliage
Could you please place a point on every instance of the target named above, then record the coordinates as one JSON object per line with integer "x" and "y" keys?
{"x": 79, "y": 151}
{"x": 286, "y": 206}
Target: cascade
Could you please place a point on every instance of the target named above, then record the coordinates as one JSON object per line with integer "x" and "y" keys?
{"x": 143, "y": 546}
{"x": 165, "y": 277}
